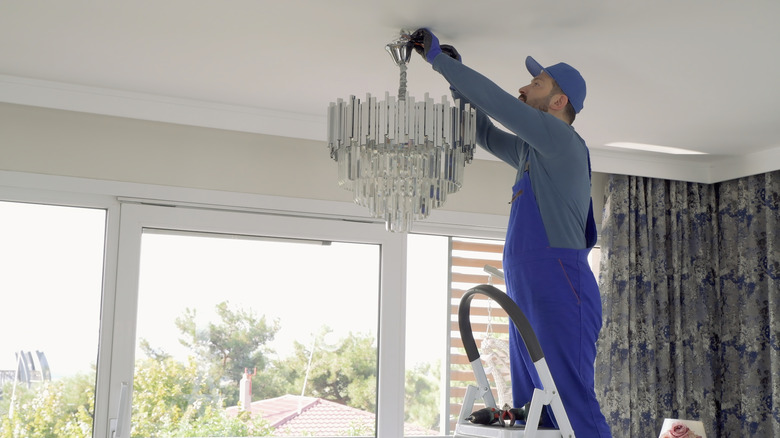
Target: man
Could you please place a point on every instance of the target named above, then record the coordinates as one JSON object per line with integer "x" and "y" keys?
{"x": 551, "y": 227}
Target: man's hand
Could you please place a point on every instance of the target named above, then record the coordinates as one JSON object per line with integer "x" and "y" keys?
{"x": 451, "y": 52}
{"x": 426, "y": 44}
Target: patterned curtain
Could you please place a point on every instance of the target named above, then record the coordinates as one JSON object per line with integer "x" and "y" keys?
{"x": 690, "y": 284}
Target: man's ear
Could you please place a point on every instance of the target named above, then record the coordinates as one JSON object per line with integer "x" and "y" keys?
{"x": 558, "y": 101}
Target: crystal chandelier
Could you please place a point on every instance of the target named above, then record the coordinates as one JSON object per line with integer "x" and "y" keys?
{"x": 401, "y": 158}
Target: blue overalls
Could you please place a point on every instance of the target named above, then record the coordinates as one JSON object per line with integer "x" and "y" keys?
{"x": 559, "y": 295}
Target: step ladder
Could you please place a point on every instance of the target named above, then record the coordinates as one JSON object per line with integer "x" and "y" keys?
{"x": 548, "y": 395}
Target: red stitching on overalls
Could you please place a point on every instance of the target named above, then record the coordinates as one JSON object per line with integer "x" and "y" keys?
{"x": 569, "y": 280}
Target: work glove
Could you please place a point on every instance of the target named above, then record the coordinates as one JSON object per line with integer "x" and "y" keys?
{"x": 426, "y": 44}
{"x": 451, "y": 52}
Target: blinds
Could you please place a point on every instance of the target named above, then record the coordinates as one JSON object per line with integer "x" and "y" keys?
{"x": 468, "y": 258}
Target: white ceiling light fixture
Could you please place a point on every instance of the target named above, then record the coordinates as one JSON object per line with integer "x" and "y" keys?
{"x": 401, "y": 158}
{"x": 654, "y": 148}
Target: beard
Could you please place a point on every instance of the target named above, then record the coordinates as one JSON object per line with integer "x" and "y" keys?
{"x": 540, "y": 103}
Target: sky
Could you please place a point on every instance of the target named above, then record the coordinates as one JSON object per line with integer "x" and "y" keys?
{"x": 51, "y": 275}
{"x": 304, "y": 286}
{"x": 51, "y": 270}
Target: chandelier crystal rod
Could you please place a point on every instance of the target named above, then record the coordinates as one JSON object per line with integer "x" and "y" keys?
{"x": 399, "y": 157}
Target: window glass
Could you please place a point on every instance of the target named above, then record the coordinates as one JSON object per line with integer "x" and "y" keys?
{"x": 244, "y": 336}
{"x": 439, "y": 270}
{"x": 489, "y": 323}
{"x": 426, "y": 332}
{"x": 51, "y": 272}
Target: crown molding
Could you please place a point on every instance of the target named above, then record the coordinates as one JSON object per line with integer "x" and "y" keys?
{"x": 103, "y": 101}
{"x": 652, "y": 165}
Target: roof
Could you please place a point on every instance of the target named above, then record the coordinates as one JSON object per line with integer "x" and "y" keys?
{"x": 292, "y": 415}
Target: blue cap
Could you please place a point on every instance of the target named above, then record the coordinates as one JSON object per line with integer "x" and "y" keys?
{"x": 567, "y": 77}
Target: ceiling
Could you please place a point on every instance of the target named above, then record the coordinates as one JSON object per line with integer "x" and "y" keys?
{"x": 694, "y": 74}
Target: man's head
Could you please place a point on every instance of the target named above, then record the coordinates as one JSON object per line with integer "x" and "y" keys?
{"x": 559, "y": 88}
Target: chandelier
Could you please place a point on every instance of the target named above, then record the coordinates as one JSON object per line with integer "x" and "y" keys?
{"x": 401, "y": 158}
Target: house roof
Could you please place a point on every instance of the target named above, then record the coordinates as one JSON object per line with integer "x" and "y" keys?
{"x": 292, "y": 415}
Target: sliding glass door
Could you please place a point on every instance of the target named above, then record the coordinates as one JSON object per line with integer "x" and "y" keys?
{"x": 242, "y": 324}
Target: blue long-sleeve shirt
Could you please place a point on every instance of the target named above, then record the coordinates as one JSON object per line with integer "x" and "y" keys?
{"x": 557, "y": 157}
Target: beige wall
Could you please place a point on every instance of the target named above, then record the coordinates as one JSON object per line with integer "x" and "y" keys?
{"x": 55, "y": 142}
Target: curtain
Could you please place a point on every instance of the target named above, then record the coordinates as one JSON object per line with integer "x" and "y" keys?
{"x": 690, "y": 281}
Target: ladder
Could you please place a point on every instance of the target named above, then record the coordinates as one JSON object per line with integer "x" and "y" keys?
{"x": 548, "y": 395}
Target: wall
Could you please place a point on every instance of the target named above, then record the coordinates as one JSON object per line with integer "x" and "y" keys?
{"x": 56, "y": 142}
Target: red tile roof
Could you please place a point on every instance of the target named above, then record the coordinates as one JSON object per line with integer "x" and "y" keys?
{"x": 292, "y": 415}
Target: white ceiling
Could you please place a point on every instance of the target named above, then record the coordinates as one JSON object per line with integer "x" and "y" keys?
{"x": 693, "y": 74}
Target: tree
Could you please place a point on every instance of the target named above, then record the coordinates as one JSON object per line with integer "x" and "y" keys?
{"x": 344, "y": 373}
{"x": 422, "y": 395}
{"x": 61, "y": 408}
{"x": 172, "y": 399}
{"x": 235, "y": 343}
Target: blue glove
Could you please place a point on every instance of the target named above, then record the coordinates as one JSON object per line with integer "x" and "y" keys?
{"x": 426, "y": 44}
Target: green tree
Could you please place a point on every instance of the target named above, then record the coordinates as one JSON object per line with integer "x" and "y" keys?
{"x": 61, "y": 408}
{"x": 273, "y": 381}
{"x": 213, "y": 422}
{"x": 172, "y": 399}
{"x": 344, "y": 373}
{"x": 228, "y": 347}
{"x": 422, "y": 395}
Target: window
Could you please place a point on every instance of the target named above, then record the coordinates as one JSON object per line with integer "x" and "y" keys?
{"x": 489, "y": 322}
{"x": 51, "y": 273}
{"x": 210, "y": 278}
{"x": 440, "y": 270}
{"x": 123, "y": 247}
{"x": 426, "y": 333}
{"x": 256, "y": 335}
